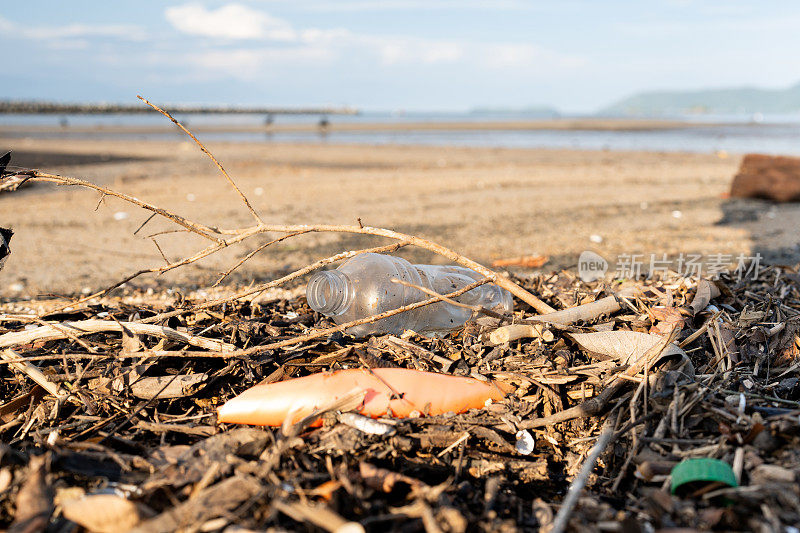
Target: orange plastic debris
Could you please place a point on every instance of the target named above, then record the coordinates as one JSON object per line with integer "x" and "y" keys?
{"x": 395, "y": 391}
{"x": 530, "y": 261}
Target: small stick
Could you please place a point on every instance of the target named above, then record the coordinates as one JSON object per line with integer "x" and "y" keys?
{"x": 274, "y": 283}
{"x": 254, "y": 252}
{"x": 33, "y": 372}
{"x": 144, "y": 223}
{"x": 585, "y": 312}
{"x": 513, "y": 332}
{"x": 205, "y": 151}
{"x": 319, "y": 515}
{"x": 194, "y": 227}
{"x": 164, "y": 257}
{"x": 83, "y": 327}
{"x": 577, "y": 485}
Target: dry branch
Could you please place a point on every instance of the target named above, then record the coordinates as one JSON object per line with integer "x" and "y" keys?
{"x": 209, "y": 154}
{"x": 33, "y": 372}
{"x": 83, "y": 327}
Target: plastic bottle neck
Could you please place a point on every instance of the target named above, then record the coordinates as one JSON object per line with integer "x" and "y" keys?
{"x": 329, "y": 292}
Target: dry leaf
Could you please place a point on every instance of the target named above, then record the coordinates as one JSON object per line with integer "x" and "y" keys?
{"x": 35, "y": 499}
{"x": 666, "y": 318}
{"x": 102, "y": 513}
{"x": 131, "y": 342}
{"x": 626, "y": 347}
{"x": 706, "y": 291}
{"x": 167, "y": 386}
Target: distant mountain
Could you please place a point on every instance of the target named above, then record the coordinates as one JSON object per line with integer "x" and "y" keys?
{"x": 723, "y": 101}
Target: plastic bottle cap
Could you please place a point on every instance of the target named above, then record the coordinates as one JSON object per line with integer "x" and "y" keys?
{"x": 703, "y": 470}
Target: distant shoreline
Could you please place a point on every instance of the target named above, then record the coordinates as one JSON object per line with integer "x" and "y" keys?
{"x": 585, "y": 124}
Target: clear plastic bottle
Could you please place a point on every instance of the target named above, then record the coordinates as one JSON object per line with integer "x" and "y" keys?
{"x": 362, "y": 286}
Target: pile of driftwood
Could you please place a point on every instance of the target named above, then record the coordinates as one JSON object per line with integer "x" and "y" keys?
{"x": 108, "y": 419}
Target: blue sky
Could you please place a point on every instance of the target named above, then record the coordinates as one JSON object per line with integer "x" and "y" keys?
{"x": 395, "y": 54}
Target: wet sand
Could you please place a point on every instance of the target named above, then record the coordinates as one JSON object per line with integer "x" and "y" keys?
{"x": 487, "y": 203}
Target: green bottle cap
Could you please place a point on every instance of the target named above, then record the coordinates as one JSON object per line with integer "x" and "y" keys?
{"x": 702, "y": 470}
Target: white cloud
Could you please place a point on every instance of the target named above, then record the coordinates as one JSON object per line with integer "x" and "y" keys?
{"x": 238, "y": 22}
{"x": 231, "y": 21}
{"x": 73, "y": 31}
{"x": 518, "y": 55}
{"x": 413, "y": 50}
{"x": 250, "y": 64}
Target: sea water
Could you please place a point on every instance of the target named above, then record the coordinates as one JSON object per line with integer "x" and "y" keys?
{"x": 777, "y": 134}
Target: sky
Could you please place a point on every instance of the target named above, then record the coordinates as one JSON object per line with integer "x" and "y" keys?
{"x": 414, "y": 55}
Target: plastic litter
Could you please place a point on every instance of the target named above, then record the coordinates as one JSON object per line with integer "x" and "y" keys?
{"x": 691, "y": 474}
{"x": 398, "y": 392}
{"x": 366, "y": 424}
{"x": 525, "y": 443}
{"x": 363, "y": 287}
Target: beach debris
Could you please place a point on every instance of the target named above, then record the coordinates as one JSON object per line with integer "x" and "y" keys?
{"x": 366, "y": 424}
{"x": 370, "y": 284}
{"x": 102, "y": 513}
{"x": 121, "y": 215}
{"x": 397, "y": 391}
{"x": 385, "y": 480}
{"x": 5, "y": 240}
{"x": 595, "y": 238}
{"x": 440, "y": 470}
{"x": 625, "y": 347}
{"x": 706, "y": 291}
{"x": 9, "y": 179}
{"x": 34, "y": 501}
{"x": 527, "y": 261}
{"x": 769, "y": 177}
{"x": 513, "y": 332}
{"x": 696, "y": 476}
{"x": 676, "y": 213}
{"x": 177, "y": 386}
{"x": 525, "y": 443}
{"x": 666, "y": 318}
{"x": 179, "y": 450}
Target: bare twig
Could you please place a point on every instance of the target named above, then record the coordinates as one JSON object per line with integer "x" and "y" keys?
{"x": 83, "y": 327}
{"x": 474, "y": 308}
{"x": 254, "y": 252}
{"x": 205, "y": 151}
{"x": 590, "y": 311}
{"x": 33, "y": 372}
{"x": 493, "y": 276}
{"x": 274, "y": 283}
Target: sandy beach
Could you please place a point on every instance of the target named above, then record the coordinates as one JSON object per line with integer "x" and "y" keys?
{"x": 486, "y": 203}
